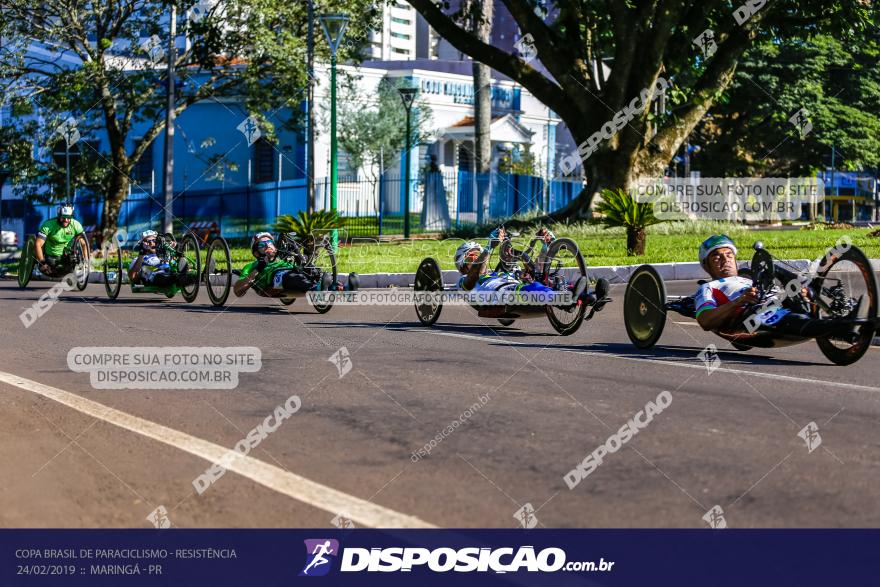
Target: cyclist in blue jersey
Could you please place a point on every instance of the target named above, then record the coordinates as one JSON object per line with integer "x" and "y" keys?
{"x": 471, "y": 260}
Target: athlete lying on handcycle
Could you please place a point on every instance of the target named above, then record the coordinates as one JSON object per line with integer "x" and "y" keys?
{"x": 274, "y": 275}
{"x": 153, "y": 265}
{"x": 730, "y": 299}
{"x": 471, "y": 259}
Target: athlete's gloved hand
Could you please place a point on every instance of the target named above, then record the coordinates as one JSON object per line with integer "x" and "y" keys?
{"x": 496, "y": 236}
{"x": 260, "y": 265}
{"x": 547, "y": 235}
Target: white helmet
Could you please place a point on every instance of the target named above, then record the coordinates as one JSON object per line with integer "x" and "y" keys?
{"x": 462, "y": 251}
{"x": 148, "y": 233}
{"x": 65, "y": 210}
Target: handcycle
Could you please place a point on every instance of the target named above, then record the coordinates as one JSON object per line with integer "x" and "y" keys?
{"x": 562, "y": 266}
{"x": 842, "y": 279}
{"x": 184, "y": 259}
{"x": 76, "y": 259}
{"x": 314, "y": 257}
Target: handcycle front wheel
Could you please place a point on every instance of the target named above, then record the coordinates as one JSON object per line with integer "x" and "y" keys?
{"x": 113, "y": 271}
{"x": 564, "y": 265}
{"x": 82, "y": 260}
{"x": 839, "y": 295}
{"x": 324, "y": 260}
{"x": 189, "y": 267}
{"x": 26, "y": 262}
{"x": 218, "y": 271}
{"x": 644, "y": 307}
{"x": 428, "y": 279}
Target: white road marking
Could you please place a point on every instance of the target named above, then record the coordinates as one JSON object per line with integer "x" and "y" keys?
{"x": 277, "y": 479}
{"x": 700, "y": 365}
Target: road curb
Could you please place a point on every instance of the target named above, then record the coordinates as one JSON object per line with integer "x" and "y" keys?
{"x": 613, "y": 273}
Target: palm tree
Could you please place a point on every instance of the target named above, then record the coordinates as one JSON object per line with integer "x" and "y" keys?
{"x": 619, "y": 208}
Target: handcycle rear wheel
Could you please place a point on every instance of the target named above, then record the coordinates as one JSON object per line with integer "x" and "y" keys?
{"x": 189, "y": 267}
{"x": 856, "y": 281}
{"x": 506, "y": 321}
{"x": 564, "y": 265}
{"x": 82, "y": 260}
{"x": 644, "y": 307}
{"x": 324, "y": 259}
{"x": 113, "y": 271}
{"x": 428, "y": 279}
{"x": 26, "y": 262}
{"x": 218, "y": 271}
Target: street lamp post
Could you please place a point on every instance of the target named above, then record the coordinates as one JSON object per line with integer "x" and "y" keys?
{"x": 407, "y": 95}
{"x": 334, "y": 28}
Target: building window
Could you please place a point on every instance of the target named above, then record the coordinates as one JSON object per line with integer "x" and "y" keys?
{"x": 142, "y": 172}
{"x": 401, "y": 51}
{"x": 396, "y": 20}
{"x": 400, "y": 36}
{"x": 264, "y": 162}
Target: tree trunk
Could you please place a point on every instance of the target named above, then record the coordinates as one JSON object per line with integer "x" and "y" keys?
{"x": 116, "y": 194}
{"x": 635, "y": 241}
{"x": 482, "y": 74}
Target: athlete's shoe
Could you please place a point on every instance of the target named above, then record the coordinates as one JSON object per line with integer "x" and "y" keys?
{"x": 353, "y": 282}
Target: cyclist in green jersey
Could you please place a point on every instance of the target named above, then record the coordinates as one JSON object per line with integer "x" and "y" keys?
{"x": 272, "y": 276}
{"x": 53, "y": 238}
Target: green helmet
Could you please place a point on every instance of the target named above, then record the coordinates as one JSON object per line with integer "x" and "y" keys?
{"x": 714, "y": 242}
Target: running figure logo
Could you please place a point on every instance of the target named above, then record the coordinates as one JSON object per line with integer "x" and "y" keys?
{"x": 320, "y": 553}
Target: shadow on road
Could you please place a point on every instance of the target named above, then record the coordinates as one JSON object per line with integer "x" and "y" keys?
{"x": 672, "y": 353}
{"x": 474, "y": 329}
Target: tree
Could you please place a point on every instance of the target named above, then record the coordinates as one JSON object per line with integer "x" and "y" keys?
{"x": 643, "y": 41}
{"x": 367, "y": 134}
{"x": 837, "y": 84}
{"x": 108, "y": 70}
{"x": 620, "y": 208}
{"x": 481, "y": 16}
{"x": 519, "y": 161}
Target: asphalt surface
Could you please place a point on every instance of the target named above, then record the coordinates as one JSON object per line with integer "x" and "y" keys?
{"x": 729, "y": 437}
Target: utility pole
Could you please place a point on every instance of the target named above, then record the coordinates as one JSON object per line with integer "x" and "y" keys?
{"x": 310, "y": 98}
{"x": 168, "y": 225}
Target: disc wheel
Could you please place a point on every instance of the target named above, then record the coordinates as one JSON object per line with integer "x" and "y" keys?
{"x": 564, "y": 265}
{"x": 189, "y": 267}
{"x": 428, "y": 278}
{"x": 82, "y": 260}
{"x": 506, "y": 321}
{"x": 113, "y": 271}
{"x": 218, "y": 271}
{"x": 26, "y": 262}
{"x": 644, "y": 307}
{"x": 323, "y": 260}
{"x": 843, "y": 280}
{"x": 287, "y": 301}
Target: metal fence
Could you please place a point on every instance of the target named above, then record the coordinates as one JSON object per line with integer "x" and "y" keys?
{"x": 369, "y": 206}
{"x": 442, "y": 201}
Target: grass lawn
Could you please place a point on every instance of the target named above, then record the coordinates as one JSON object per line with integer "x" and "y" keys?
{"x": 600, "y": 246}
{"x": 666, "y": 243}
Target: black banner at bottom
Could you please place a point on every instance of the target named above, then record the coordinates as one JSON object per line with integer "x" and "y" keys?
{"x": 438, "y": 557}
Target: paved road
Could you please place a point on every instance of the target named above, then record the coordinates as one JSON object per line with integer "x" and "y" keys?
{"x": 729, "y": 438}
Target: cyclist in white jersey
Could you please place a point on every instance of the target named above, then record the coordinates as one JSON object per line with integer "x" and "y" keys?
{"x": 729, "y": 299}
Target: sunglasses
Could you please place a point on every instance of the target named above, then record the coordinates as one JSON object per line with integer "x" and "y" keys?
{"x": 150, "y": 241}
{"x": 264, "y": 244}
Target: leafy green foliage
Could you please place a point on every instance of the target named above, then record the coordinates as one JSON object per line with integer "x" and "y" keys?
{"x": 837, "y": 83}
{"x": 305, "y": 225}
{"x": 372, "y": 129}
{"x": 106, "y": 76}
{"x": 619, "y": 208}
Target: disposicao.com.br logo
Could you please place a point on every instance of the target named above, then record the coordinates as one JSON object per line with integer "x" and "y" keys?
{"x": 442, "y": 560}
